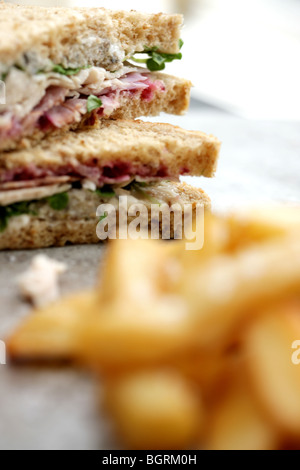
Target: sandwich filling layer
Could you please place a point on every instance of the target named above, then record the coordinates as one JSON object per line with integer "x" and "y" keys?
{"x": 41, "y": 95}
{"x": 79, "y": 201}
{"x": 53, "y": 100}
{"x": 114, "y": 173}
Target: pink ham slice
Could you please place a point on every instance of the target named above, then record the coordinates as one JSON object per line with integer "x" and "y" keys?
{"x": 67, "y": 113}
{"x": 113, "y": 173}
{"x": 13, "y": 129}
{"x": 109, "y": 104}
{"x": 151, "y": 89}
{"x": 54, "y": 96}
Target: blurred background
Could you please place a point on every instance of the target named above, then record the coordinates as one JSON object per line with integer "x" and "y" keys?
{"x": 242, "y": 55}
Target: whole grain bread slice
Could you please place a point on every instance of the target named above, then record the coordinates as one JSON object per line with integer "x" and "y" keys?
{"x": 51, "y": 228}
{"x": 80, "y": 37}
{"x": 131, "y": 147}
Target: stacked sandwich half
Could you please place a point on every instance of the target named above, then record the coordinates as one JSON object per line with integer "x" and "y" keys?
{"x": 75, "y": 81}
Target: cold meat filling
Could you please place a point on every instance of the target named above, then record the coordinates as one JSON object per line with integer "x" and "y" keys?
{"x": 64, "y": 100}
{"x": 78, "y": 200}
{"x": 115, "y": 172}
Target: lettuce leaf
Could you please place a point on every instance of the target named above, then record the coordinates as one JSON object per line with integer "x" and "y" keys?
{"x": 157, "y": 60}
{"x": 93, "y": 102}
{"x": 58, "y": 202}
{"x": 68, "y": 72}
{"x": 14, "y": 210}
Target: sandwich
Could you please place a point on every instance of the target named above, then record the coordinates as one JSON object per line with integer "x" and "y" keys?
{"x": 69, "y": 68}
{"x": 49, "y": 193}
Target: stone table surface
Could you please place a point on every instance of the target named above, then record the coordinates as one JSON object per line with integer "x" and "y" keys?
{"x": 58, "y": 408}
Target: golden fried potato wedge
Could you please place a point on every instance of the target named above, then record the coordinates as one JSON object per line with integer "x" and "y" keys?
{"x": 223, "y": 291}
{"x": 132, "y": 271}
{"x": 144, "y": 319}
{"x": 138, "y": 335}
{"x": 53, "y": 333}
{"x": 155, "y": 410}
{"x": 237, "y": 423}
{"x": 211, "y": 370}
{"x": 275, "y": 378}
{"x": 261, "y": 224}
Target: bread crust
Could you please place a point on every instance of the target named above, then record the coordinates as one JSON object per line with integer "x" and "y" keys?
{"x": 135, "y": 143}
{"x": 175, "y": 100}
{"x": 58, "y": 33}
{"x": 40, "y": 232}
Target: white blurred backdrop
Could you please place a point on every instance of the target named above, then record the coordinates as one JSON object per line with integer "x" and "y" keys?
{"x": 242, "y": 55}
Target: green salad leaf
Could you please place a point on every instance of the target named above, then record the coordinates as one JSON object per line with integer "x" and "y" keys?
{"x": 14, "y": 210}
{"x": 105, "y": 192}
{"x": 157, "y": 60}
{"x": 68, "y": 72}
{"x": 93, "y": 102}
{"x": 58, "y": 202}
{"x": 3, "y": 223}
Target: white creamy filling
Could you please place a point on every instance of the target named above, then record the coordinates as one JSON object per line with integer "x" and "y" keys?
{"x": 89, "y": 185}
{"x": 89, "y": 49}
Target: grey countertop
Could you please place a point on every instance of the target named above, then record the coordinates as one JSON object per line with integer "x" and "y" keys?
{"x": 58, "y": 409}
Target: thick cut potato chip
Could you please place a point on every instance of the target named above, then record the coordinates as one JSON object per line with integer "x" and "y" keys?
{"x": 132, "y": 272}
{"x": 237, "y": 423}
{"x": 155, "y": 410}
{"x": 145, "y": 319}
{"x": 53, "y": 333}
{"x": 275, "y": 378}
{"x": 223, "y": 292}
{"x": 194, "y": 348}
{"x": 259, "y": 225}
{"x": 145, "y": 337}
{"x": 211, "y": 370}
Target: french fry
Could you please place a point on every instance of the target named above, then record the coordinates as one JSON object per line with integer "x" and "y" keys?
{"x": 144, "y": 319}
{"x": 210, "y": 370}
{"x": 52, "y": 333}
{"x": 239, "y": 231}
{"x": 237, "y": 423}
{"x": 268, "y": 222}
{"x": 131, "y": 272}
{"x": 155, "y": 410}
{"x": 224, "y": 291}
{"x": 147, "y": 322}
{"x": 151, "y": 320}
{"x": 164, "y": 324}
{"x": 259, "y": 225}
{"x": 275, "y": 378}
{"x": 144, "y": 336}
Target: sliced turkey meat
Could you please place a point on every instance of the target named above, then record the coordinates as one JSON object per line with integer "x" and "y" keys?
{"x": 31, "y": 194}
{"x": 47, "y": 181}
